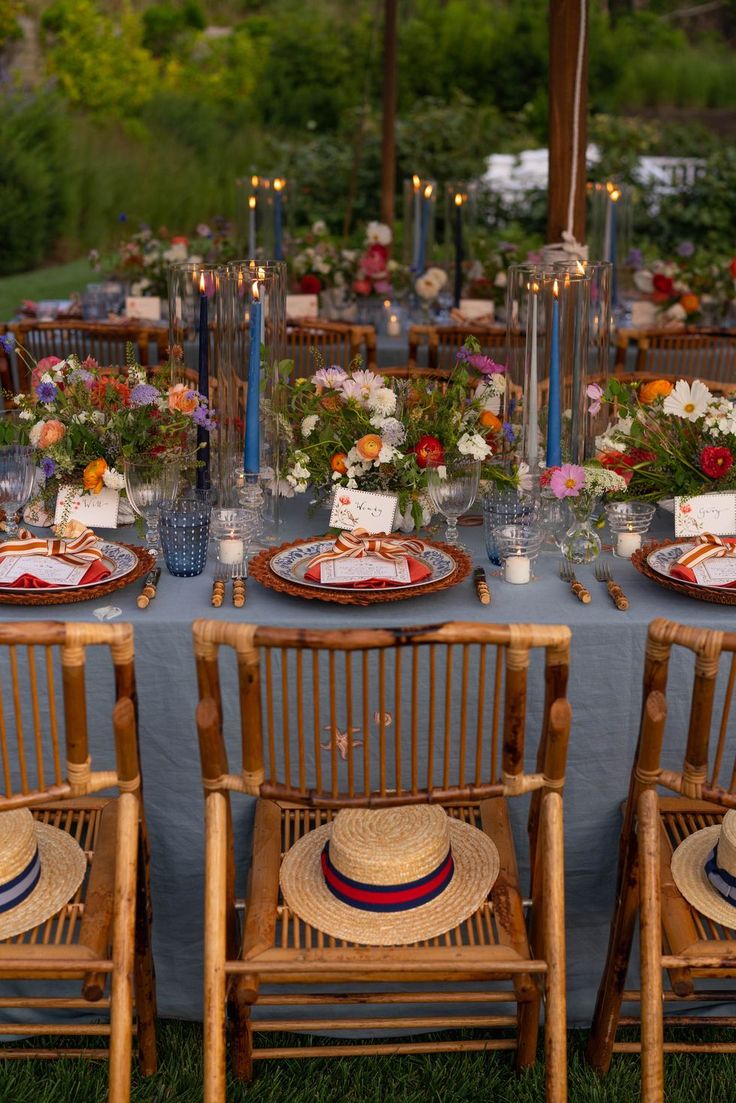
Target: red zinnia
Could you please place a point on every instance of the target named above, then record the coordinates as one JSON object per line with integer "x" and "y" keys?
{"x": 429, "y": 451}
{"x": 716, "y": 462}
{"x": 310, "y": 285}
{"x": 663, "y": 284}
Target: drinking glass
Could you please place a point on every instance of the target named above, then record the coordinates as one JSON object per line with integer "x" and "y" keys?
{"x": 17, "y": 472}
{"x": 505, "y": 506}
{"x": 151, "y": 482}
{"x": 184, "y": 526}
{"x": 454, "y": 494}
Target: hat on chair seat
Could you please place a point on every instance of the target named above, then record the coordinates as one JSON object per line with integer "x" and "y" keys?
{"x": 389, "y": 876}
{"x": 41, "y": 867}
{"x": 704, "y": 870}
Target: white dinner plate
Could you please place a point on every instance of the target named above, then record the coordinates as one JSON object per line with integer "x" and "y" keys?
{"x": 119, "y": 559}
{"x": 661, "y": 559}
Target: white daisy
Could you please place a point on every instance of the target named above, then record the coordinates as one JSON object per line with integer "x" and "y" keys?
{"x": 688, "y": 400}
{"x": 473, "y": 444}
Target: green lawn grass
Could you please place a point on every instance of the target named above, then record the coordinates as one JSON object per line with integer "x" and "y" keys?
{"x": 439, "y": 1078}
{"x": 44, "y": 283}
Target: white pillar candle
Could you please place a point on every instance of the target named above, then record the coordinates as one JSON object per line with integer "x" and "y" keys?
{"x": 627, "y": 543}
{"x": 231, "y": 550}
{"x": 393, "y": 326}
{"x": 517, "y": 569}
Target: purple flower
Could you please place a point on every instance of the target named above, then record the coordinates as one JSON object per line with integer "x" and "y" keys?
{"x": 635, "y": 258}
{"x": 80, "y": 375}
{"x": 144, "y": 394}
{"x": 7, "y": 341}
{"x": 508, "y": 432}
{"x": 204, "y": 419}
{"x": 46, "y": 392}
{"x": 48, "y": 466}
{"x": 595, "y": 393}
{"x": 685, "y": 249}
{"x": 481, "y": 363}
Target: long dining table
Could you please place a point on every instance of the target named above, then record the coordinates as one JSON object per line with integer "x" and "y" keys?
{"x": 604, "y": 691}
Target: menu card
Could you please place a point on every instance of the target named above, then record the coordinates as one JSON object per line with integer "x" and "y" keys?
{"x": 341, "y": 571}
{"x": 44, "y": 567}
{"x": 716, "y": 572}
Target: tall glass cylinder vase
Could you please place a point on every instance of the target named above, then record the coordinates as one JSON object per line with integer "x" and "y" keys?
{"x": 599, "y": 343}
{"x": 420, "y": 204}
{"x": 567, "y": 317}
{"x": 258, "y": 312}
{"x": 201, "y": 351}
{"x": 610, "y": 211}
{"x": 525, "y": 357}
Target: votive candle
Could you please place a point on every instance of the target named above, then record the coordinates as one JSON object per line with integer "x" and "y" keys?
{"x": 517, "y": 569}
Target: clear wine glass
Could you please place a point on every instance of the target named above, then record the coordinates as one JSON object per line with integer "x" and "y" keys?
{"x": 454, "y": 494}
{"x": 151, "y": 482}
{"x": 17, "y": 469}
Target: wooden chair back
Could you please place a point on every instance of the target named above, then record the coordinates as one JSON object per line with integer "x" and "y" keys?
{"x": 687, "y": 355}
{"x": 443, "y": 342}
{"x": 334, "y": 342}
{"x": 104, "y": 341}
{"x": 44, "y": 745}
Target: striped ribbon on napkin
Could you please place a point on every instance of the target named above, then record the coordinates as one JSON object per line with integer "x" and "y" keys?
{"x": 707, "y": 546}
{"x": 81, "y": 549}
{"x": 359, "y": 543}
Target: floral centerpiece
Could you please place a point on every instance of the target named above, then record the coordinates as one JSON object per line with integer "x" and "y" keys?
{"x": 377, "y": 272}
{"x": 83, "y": 422}
{"x": 143, "y": 260}
{"x": 693, "y": 287}
{"x": 357, "y": 430}
{"x": 670, "y": 439}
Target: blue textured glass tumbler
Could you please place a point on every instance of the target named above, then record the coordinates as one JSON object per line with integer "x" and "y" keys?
{"x": 505, "y": 506}
{"x": 184, "y": 528}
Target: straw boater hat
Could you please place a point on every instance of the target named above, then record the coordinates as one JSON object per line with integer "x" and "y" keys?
{"x": 41, "y": 867}
{"x": 704, "y": 870}
{"x": 390, "y": 876}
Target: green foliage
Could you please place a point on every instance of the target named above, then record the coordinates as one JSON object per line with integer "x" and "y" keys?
{"x": 9, "y": 27}
{"x": 703, "y": 212}
{"x": 165, "y": 23}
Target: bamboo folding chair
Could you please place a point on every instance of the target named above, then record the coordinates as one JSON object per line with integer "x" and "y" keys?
{"x": 443, "y": 342}
{"x": 104, "y": 932}
{"x": 334, "y": 342}
{"x": 674, "y": 937}
{"x": 104, "y": 341}
{"x": 455, "y": 694}
{"x": 687, "y": 355}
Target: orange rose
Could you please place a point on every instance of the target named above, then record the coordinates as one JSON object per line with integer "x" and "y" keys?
{"x": 489, "y": 420}
{"x": 657, "y": 388}
{"x": 92, "y": 477}
{"x": 690, "y": 303}
{"x": 182, "y": 397}
{"x": 368, "y": 446}
{"x": 338, "y": 462}
{"x": 51, "y": 433}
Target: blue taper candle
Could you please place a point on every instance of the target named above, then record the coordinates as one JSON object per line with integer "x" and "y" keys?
{"x": 278, "y": 245}
{"x": 424, "y": 230}
{"x": 203, "y": 384}
{"x": 554, "y": 413}
{"x": 252, "y": 458}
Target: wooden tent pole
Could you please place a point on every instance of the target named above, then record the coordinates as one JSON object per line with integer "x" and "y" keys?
{"x": 567, "y": 23}
{"x": 388, "y": 143}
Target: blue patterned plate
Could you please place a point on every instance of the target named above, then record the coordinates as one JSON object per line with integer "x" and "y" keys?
{"x": 292, "y": 564}
{"x": 661, "y": 559}
{"x": 119, "y": 559}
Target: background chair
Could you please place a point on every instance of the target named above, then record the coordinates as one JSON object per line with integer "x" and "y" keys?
{"x": 330, "y": 720}
{"x": 102, "y": 937}
{"x": 442, "y": 343}
{"x": 675, "y": 938}
{"x": 335, "y": 342}
{"x": 101, "y": 340}
{"x": 682, "y": 355}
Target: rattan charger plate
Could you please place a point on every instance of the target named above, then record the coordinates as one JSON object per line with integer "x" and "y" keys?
{"x": 83, "y": 593}
{"x": 260, "y": 568}
{"x": 717, "y": 596}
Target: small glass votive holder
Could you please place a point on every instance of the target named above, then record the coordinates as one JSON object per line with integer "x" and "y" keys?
{"x": 505, "y": 506}
{"x": 628, "y": 521}
{"x": 518, "y": 546}
{"x": 184, "y": 528}
{"x": 232, "y": 530}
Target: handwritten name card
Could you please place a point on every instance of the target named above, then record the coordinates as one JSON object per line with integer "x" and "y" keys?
{"x": 714, "y": 513}
{"x": 363, "y": 509}
{"x": 93, "y": 510}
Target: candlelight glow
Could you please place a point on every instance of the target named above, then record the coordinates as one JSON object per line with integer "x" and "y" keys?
{"x": 458, "y": 199}
{"x": 428, "y": 191}
{"x": 416, "y": 182}
{"x": 261, "y": 273}
{"x": 254, "y": 181}
{"x": 201, "y": 283}
{"x": 252, "y": 202}
{"x": 535, "y": 287}
{"x": 254, "y": 290}
{"x": 581, "y": 267}
{"x": 610, "y": 186}
{"x": 615, "y": 195}
{"x": 278, "y": 184}
{"x": 556, "y": 290}
{"x": 387, "y": 303}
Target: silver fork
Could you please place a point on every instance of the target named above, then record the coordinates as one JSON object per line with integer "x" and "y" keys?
{"x": 567, "y": 574}
{"x": 239, "y": 574}
{"x": 219, "y": 583}
{"x": 603, "y": 573}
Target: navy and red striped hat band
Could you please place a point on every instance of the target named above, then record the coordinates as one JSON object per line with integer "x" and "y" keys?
{"x": 387, "y": 898}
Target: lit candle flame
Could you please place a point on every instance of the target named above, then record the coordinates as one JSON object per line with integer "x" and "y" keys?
{"x": 202, "y": 284}
{"x": 567, "y": 279}
{"x": 535, "y": 287}
{"x": 458, "y": 199}
{"x": 416, "y": 182}
{"x": 254, "y": 290}
{"x": 252, "y": 202}
{"x": 615, "y": 195}
{"x": 278, "y": 184}
{"x": 610, "y": 186}
{"x": 580, "y": 267}
{"x": 261, "y": 273}
{"x": 254, "y": 181}
{"x": 428, "y": 191}
{"x": 556, "y": 289}
{"x": 387, "y": 303}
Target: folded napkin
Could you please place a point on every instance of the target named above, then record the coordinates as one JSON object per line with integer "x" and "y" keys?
{"x": 96, "y": 572}
{"x": 707, "y": 547}
{"x": 360, "y": 544}
{"x": 80, "y": 551}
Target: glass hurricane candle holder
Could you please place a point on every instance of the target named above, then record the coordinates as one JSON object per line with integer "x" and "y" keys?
{"x": 518, "y": 547}
{"x": 628, "y": 521}
{"x": 505, "y": 506}
{"x": 231, "y": 530}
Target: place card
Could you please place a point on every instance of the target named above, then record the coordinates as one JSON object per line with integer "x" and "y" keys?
{"x": 644, "y": 313}
{"x": 143, "y": 306}
{"x": 93, "y": 510}
{"x": 716, "y": 572}
{"x": 302, "y": 306}
{"x": 340, "y": 571}
{"x": 363, "y": 509}
{"x": 714, "y": 513}
{"x": 42, "y": 567}
{"x": 477, "y": 310}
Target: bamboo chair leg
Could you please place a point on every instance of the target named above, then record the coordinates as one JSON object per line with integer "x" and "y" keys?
{"x": 555, "y": 1012}
{"x": 241, "y": 1038}
{"x": 215, "y": 941}
{"x": 123, "y": 950}
{"x": 650, "y": 935}
{"x": 145, "y": 977}
{"x": 528, "y": 1031}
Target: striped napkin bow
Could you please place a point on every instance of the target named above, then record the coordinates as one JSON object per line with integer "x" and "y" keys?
{"x": 80, "y": 549}
{"x": 360, "y": 543}
{"x": 707, "y": 546}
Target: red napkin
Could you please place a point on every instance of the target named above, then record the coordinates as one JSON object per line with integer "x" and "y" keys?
{"x": 687, "y": 574}
{"x": 417, "y": 573}
{"x": 96, "y": 572}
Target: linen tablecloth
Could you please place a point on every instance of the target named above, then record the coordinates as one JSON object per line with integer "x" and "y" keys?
{"x": 604, "y": 690}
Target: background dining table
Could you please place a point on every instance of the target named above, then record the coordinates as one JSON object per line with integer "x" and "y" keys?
{"x": 604, "y": 690}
